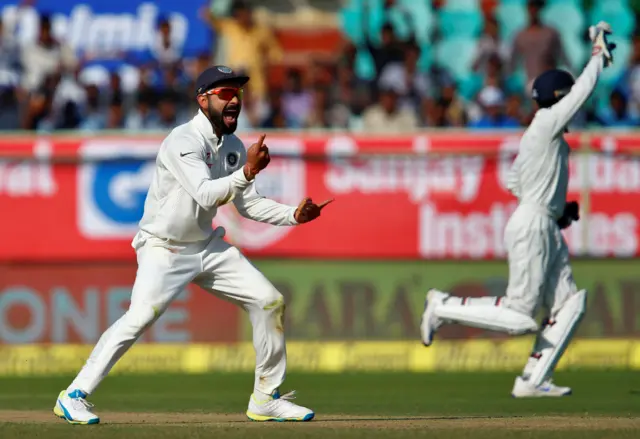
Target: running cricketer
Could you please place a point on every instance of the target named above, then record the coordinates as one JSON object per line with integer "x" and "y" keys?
{"x": 539, "y": 272}
{"x": 200, "y": 166}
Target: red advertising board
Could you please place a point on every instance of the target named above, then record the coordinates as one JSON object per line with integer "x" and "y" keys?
{"x": 76, "y": 303}
{"x": 430, "y": 195}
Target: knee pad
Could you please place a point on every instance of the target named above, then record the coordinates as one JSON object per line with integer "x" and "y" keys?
{"x": 556, "y": 335}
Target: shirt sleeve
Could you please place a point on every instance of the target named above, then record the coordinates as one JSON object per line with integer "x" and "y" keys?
{"x": 254, "y": 206}
{"x": 184, "y": 157}
{"x": 563, "y": 111}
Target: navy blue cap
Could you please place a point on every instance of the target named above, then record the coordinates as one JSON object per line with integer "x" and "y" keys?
{"x": 216, "y": 74}
{"x": 551, "y": 86}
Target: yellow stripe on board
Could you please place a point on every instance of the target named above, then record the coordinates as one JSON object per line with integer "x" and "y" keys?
{"x": 473, "y": 355}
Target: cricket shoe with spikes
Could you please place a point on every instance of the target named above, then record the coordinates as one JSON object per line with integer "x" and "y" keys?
{"x": 278, "y": 408}
{"x": 430, "y": 323}
{"x": 75, "y": 409}
{"x": 523, "y": 389}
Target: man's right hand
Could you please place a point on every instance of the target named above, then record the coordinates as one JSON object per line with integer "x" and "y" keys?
{"x": 257, "y": 158}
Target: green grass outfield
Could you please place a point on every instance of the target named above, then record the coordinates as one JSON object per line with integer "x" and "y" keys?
{"x": 390, "y": 405}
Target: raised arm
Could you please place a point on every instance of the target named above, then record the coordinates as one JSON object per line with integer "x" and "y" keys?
{"x": 184, "y": 157}
{"x": 568, "y": 106}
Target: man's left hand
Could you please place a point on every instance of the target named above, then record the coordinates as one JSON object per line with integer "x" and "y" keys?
{"x": 308, "y": 211}
{"x": 571, "y": 214}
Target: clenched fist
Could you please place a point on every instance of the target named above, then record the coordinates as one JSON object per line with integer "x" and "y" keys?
{"x": 257, "y": 158}
{"x": 308, "y": 211}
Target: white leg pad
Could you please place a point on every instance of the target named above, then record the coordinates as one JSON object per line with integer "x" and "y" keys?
{"x": 487, "y": 314}
{"x": 556, "y": 336}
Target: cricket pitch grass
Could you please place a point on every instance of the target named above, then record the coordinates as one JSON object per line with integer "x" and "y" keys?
{"x": 355, "y": 405}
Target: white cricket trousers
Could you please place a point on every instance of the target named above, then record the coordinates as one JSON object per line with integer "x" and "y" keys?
{"x": 165, "y": 268}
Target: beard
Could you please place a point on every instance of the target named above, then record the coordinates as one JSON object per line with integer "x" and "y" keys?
{"x": 225, "y": 121}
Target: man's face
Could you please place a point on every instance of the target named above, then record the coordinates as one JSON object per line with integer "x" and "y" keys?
{"x": 221, "y": 110}
{"x": 534, "y": 13}
{"x": 388, "y": 101}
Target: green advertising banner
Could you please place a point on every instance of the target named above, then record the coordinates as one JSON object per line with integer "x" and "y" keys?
{"x": 380, "y": 300}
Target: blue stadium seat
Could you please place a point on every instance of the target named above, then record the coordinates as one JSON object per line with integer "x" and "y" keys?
{"x": 511, "y": 16}
{"x": 462, "y": 4}
{"x": 567, "y": 17}
{"x": 422, "y": 18}
{"x": 351, "y": 24}
{"x": 577, "y": 50}
{"x": 460, "y": 23}
{"x": 617, "y": 13}
{"x": 456, "y": 55}
{"x": 621, "y": 58}
{"x": 365, "y": 68}
{"x": 426, "y": 57}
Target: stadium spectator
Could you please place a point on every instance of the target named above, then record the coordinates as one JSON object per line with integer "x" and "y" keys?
{"x": 446, "y": 110}
{"x": 489, "y": 46}
{"x": 321, "y": 114}
{"x": 142, "y": 116}
{"x": 169, "y": 113}
{"x": 9, "y": 110}
{"x": 630, "y": 81}
{"x": 10, "y": 65}
{"x": 115, "y": 113}
{"x": 538, "y": 46}
{"x": 387, "y": 116}
{"x": 410, "y": 83}
{"x": 617, "y": 113}
{"x": 276, "y": 118}
{"x": 390, "y": 49}
{"x": 494, "y": 116}
{"x": 94, "y": 117}
{"x": 46, "y": 56}
{"x": 245, "y": 45}
{"x": 165, "y": 50}
{"x": 254, "y": 112}
{"x": 297, "y": 101}
{"x": 515, "y": 109}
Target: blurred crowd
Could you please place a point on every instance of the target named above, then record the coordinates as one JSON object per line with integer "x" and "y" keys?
{"x": 43, "y": 88}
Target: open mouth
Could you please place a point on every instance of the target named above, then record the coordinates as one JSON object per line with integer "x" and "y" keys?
{"x": 230, "y": 115}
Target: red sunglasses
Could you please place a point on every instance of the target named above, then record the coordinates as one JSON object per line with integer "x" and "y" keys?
{"x": 225, "y": 93}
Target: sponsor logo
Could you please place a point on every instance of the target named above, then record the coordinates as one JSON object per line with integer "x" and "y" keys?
{"x": 284, "y": 181}
{"x": 112, "y": 186}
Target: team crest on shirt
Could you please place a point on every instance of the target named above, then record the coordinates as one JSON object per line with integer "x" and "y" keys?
{"x": 232, "y": 159}
{"x": 284, "y": 180}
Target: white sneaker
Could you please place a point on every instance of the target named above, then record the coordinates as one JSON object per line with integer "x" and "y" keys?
{"x": 522, "y": 389}
{"x": 279, "y": 409}
{"x": 75, "y": 409}
{"x": 430, "y": 323}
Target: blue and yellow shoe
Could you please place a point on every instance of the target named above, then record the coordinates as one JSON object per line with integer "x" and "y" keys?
{"x": 75, "y": 409}
{"x": 278, "y": 409}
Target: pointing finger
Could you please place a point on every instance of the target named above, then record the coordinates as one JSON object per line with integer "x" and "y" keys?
{"x": 324, "y": 203}
{"x": 261, "y": 139}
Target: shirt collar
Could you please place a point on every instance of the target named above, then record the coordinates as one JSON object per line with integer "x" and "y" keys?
{"x": 203, "y": 125}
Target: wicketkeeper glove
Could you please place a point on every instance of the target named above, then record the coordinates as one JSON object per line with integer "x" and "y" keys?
{"x": 598, "y": 35}
{"x": 571, "y": 213}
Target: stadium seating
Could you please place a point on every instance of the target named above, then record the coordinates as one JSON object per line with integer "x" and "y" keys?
{"x": 460, "y": 22}
{"x": 615, "y": 12}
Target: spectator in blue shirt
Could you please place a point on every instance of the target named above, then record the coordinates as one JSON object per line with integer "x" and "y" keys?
{"x": 492, "y": 102}
{"x": 617, "y": 113}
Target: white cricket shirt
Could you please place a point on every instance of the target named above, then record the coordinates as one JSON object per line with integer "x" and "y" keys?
{"x": 539, "y": 175}
{"x": 195, "y": 173}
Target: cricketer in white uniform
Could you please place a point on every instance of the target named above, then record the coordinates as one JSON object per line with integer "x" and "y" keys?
{"x": 539, "y": 272}
{"x": 200, "y": 166}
